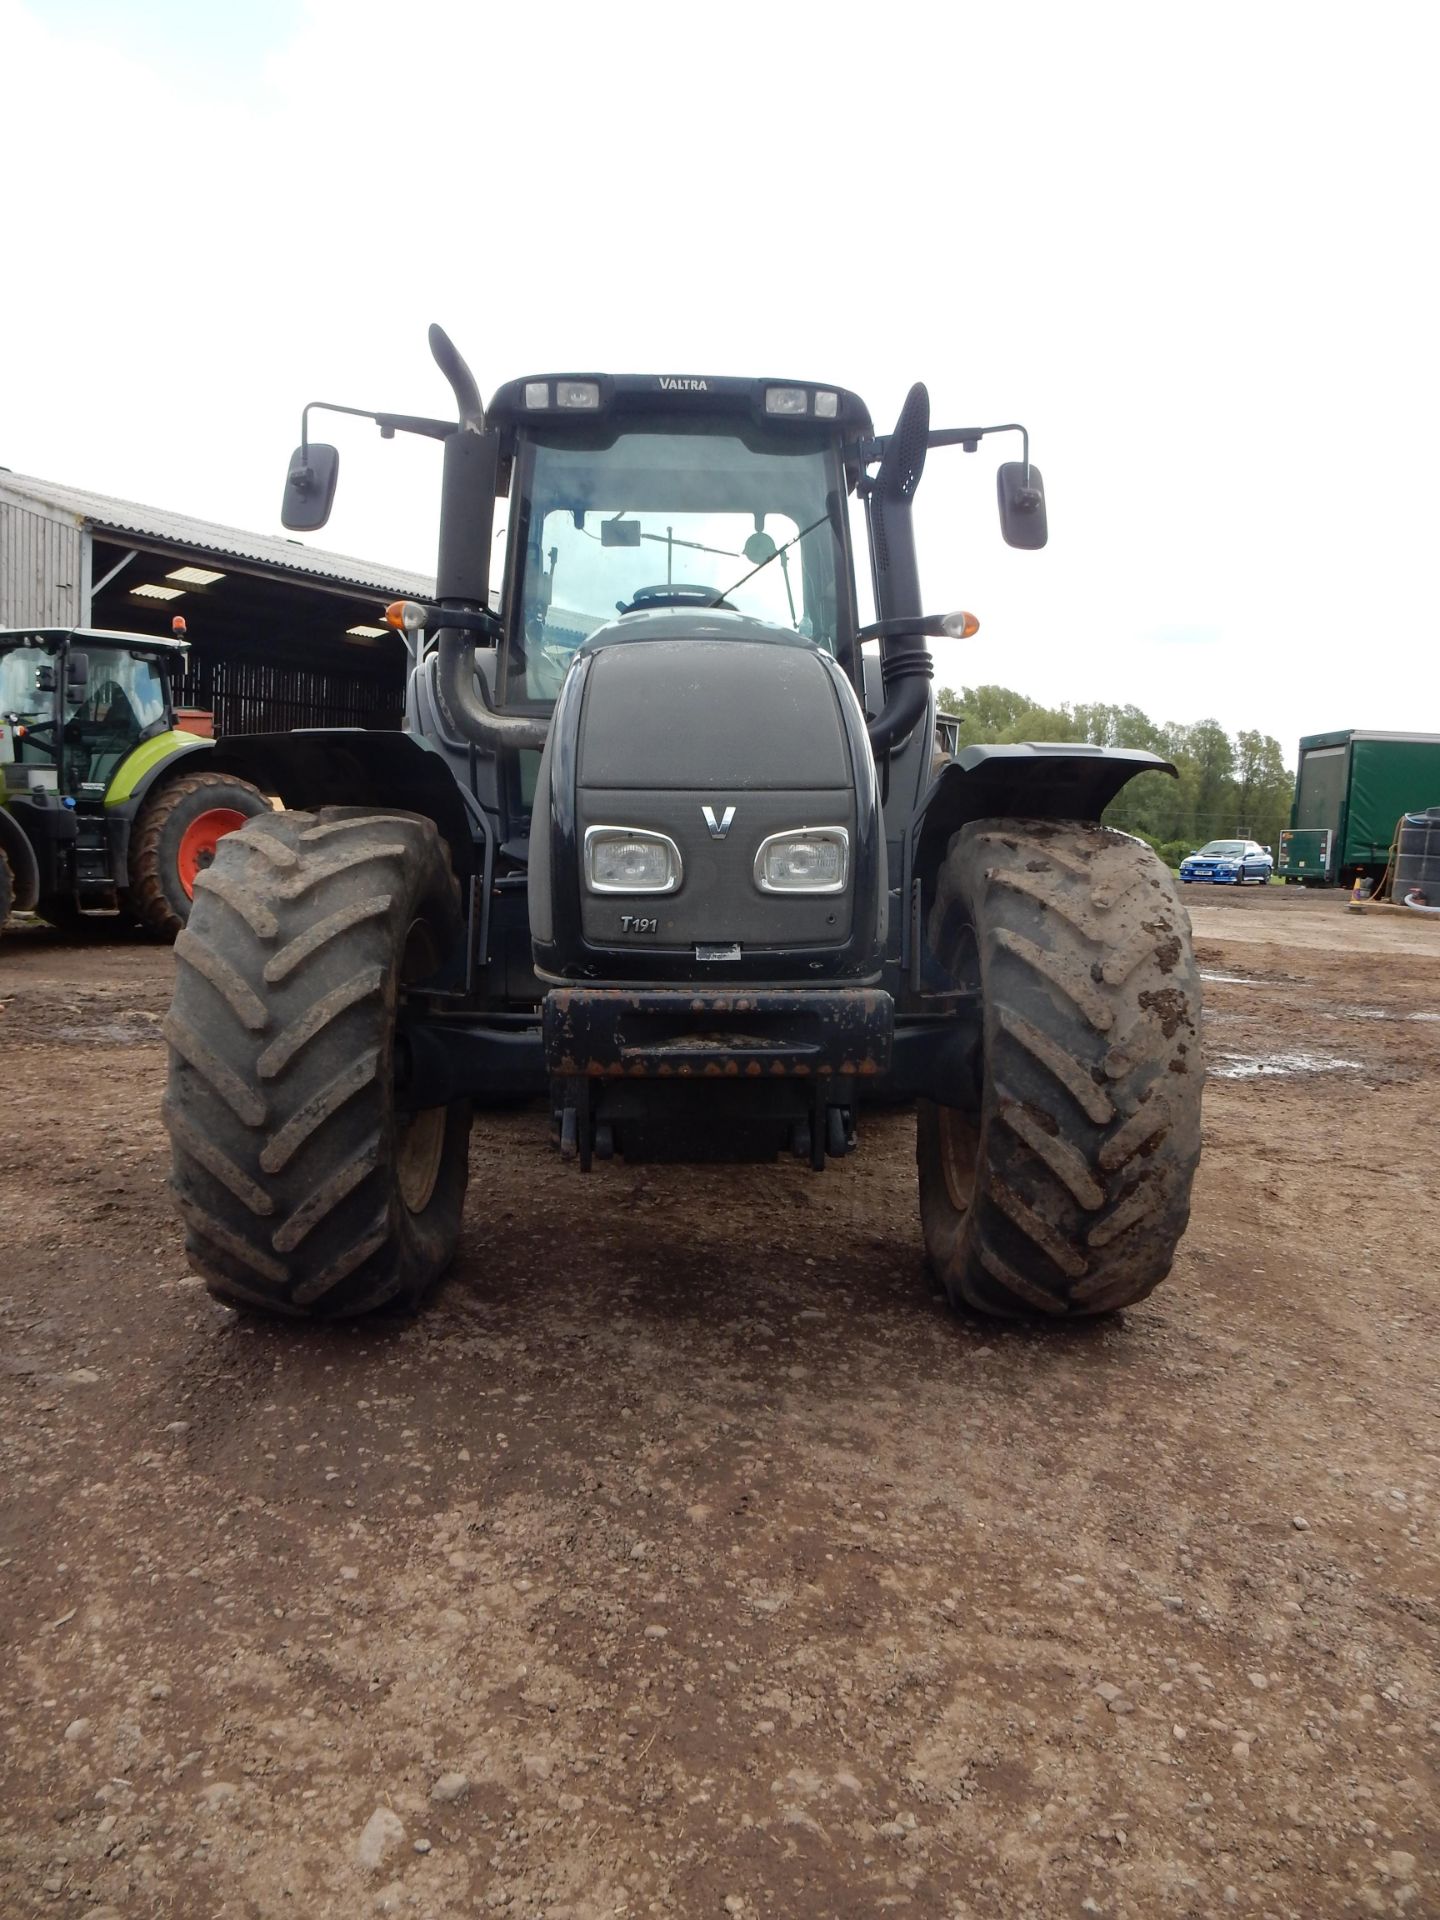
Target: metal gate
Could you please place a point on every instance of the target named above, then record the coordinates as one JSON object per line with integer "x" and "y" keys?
{"x": 254, "y": 696}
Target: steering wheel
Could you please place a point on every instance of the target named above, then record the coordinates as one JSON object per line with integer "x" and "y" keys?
{"x": 672, "y": 593}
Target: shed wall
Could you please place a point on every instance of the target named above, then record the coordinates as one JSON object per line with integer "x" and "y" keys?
{"x": 42, "y": 567}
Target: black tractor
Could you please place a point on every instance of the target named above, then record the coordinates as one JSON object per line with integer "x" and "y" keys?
{"x": 668, "y": 839}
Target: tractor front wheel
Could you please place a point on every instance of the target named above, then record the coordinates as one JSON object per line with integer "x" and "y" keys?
{"x": 305, "y": 1188}
{"x": 1058, "y": 1181}
{"x": 175, "y": 840}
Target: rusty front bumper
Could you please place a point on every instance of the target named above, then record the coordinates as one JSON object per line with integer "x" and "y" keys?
{"x": 763, "y": 1034}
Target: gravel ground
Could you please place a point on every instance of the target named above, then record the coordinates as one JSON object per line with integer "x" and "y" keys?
{"x": 688, "y": 1557}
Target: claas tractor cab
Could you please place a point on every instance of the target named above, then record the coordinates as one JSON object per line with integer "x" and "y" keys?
{"x": 106, "y": 805}
{"x": 669, "y": 840}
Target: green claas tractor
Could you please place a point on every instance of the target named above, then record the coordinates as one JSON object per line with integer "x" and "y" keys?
{"x": 667, "y": 841}
{"x": 105, "y": 804}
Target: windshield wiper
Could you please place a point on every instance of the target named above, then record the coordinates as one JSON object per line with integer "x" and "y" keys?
{"x": 725, "y": 595}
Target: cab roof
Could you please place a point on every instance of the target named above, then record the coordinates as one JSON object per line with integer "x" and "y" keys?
{"x": 50, "y": 637}
{"x": 679, "y": 394}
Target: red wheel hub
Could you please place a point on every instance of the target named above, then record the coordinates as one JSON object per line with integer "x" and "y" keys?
{"x": 199, "y": 840}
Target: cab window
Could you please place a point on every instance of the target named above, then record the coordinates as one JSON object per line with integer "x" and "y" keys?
{"x": 692, "y": 516}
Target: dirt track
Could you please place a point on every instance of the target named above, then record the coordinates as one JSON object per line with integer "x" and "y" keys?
{"x": 731, "y": 1572}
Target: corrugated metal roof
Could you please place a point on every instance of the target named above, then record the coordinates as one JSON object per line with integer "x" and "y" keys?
{"x": 109, "y": 515}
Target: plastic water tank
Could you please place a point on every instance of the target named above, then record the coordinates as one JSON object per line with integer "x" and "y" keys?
{"x": 1417, "y": 857}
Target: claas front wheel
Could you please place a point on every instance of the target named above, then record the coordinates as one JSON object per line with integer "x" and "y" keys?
{"x": 1060, "y": 1185}
{"x": 177, "y": 836}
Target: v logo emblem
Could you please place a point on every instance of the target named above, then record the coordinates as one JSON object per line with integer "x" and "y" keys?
{"x": 718, "y": 828}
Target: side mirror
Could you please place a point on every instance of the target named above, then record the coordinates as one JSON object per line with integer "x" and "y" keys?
{"x": 310, "y": 487}
{"x": 619, "y": 533}
{"x": 1022, "y": 506}
{"x": 77, "y": 673}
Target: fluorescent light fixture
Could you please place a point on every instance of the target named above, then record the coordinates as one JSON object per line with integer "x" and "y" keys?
{"x": 158, "y": 593}
{"x": 195, "y": 576}
{"x": 368, "y": 633}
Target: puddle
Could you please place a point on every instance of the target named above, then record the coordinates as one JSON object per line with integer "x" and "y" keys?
{"x": 1375, "y": 1013}
{"x": 112, "y": 1033}
{"x": 1256, "y": 1066}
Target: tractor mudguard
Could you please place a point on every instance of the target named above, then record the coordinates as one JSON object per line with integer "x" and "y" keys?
{"x": 15, "y": 844}
{"x": 356, "y": 767}
{"x": 144, "y": 765}
{"x": 1032, "y": 780}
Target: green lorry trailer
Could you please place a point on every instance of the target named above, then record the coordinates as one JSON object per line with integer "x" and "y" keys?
{"x": 1351, "y": 789}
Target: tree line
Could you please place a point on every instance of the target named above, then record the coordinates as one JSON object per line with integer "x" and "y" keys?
{"x": 1229, "y": 786}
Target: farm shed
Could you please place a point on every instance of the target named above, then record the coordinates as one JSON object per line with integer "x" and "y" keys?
{"x": 282, "y": 634}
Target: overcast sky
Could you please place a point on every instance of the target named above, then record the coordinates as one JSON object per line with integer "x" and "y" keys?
{"x": 1191, "y": 248}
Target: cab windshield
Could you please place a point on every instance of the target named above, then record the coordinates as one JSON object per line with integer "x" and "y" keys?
{"x": 124, "y": 694}
{"x": 122, "y": 704}
{"x": 20, "y": 695}
{"x": 691, "y": 516}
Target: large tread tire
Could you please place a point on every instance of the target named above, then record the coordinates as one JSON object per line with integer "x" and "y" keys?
{"x": 7, "y": 888}
{"x": 1068, "y": 1191}
{"x": 160, "y": 887}
{"x": 304, "y": 1191}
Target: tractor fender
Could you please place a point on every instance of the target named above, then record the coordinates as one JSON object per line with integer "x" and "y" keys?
{"x": 1032, "y": 780}
{"x": 152, "y": 760}
{"x": 358, "y": 767}
{"x": 23, "y": 864}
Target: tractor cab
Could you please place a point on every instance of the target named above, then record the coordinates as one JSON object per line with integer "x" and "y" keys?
{"x": 624, "y": 502}
{"x": 77, "y": 702}
{"x": 640, "y": 504}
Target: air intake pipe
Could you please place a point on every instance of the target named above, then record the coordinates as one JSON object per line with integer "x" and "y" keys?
{"x": 462, "y": 571}
{"x": 906, "y": 667}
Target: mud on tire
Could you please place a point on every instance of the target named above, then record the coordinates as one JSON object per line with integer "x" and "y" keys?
{"x": 1068, "y": 1189}
{"x": 159, "y": 892}
{"x": 303, "y": 1189}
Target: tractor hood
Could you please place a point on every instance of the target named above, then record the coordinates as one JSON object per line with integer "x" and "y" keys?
{"x": 707, "y": 734}
{"x": 722, "y": 697}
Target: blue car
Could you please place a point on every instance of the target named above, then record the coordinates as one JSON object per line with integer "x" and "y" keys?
{"x": 1228, "y": 863}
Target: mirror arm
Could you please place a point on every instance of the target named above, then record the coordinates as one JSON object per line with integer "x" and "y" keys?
{"x": 302, "y": 476}
{"x": 392, "y": 423}
{"x": 868, "y": 451}
{"x": 389, "y": 423}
